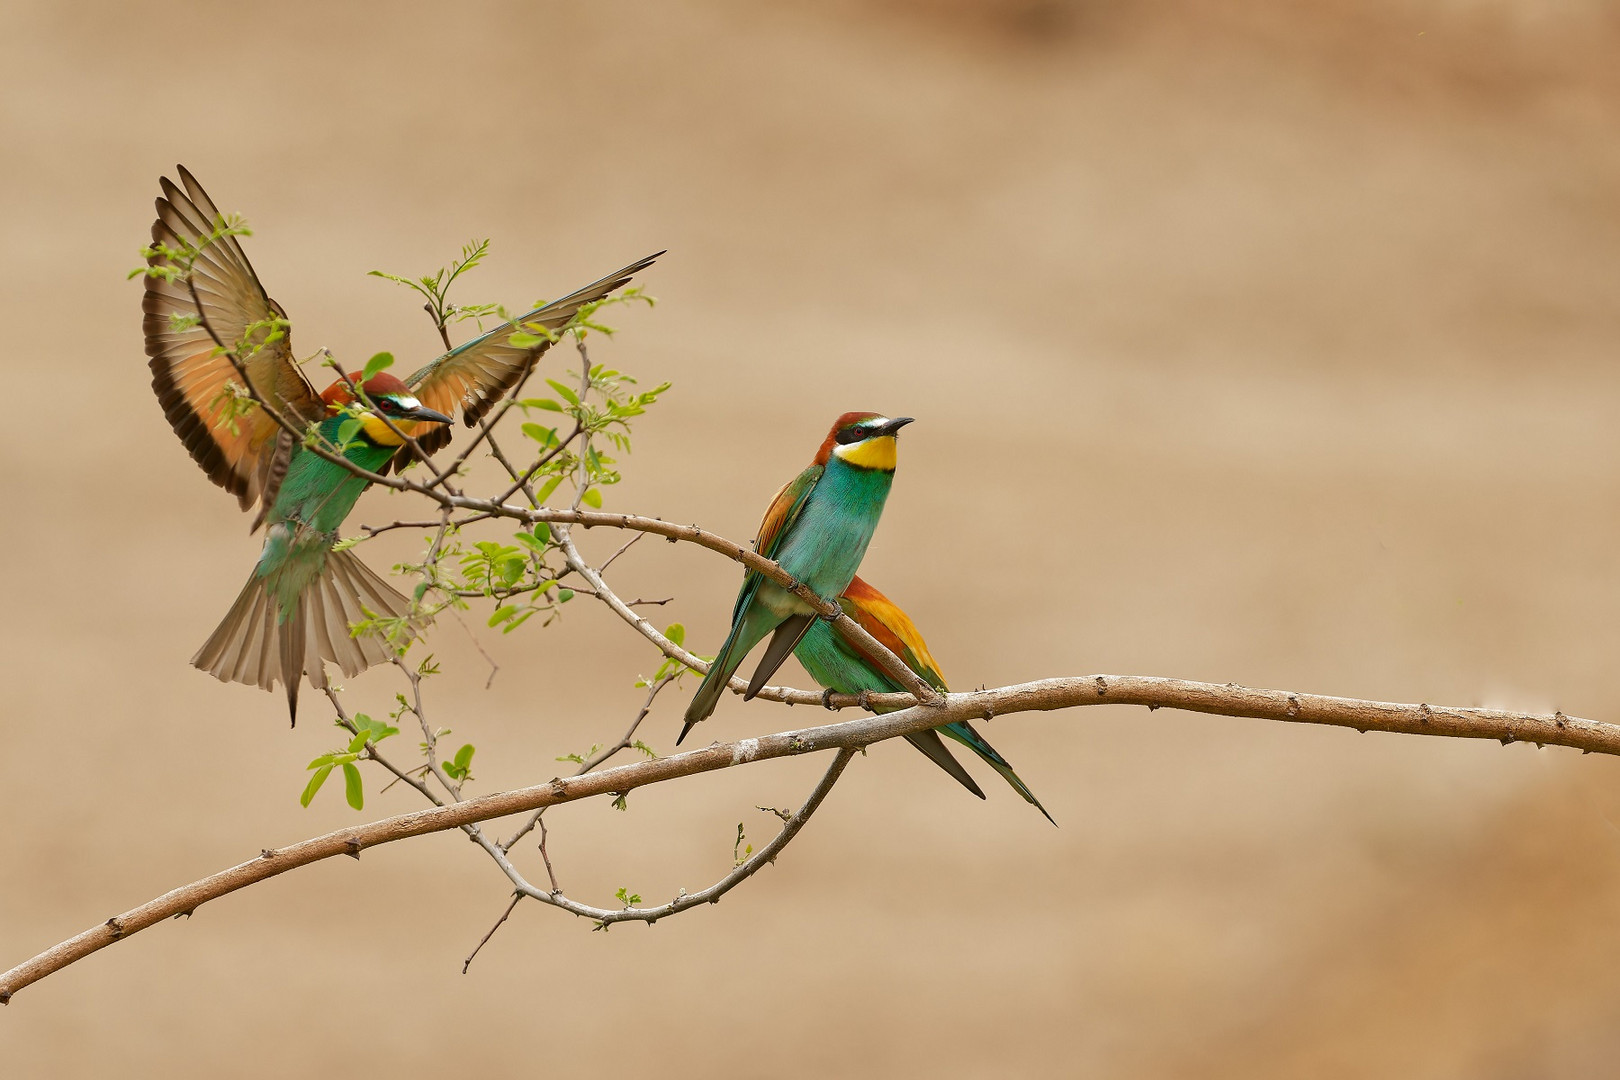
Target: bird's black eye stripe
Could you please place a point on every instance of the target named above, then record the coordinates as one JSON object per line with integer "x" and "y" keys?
{"x": 852, "y": 434}
{"x": 387, "y": 404}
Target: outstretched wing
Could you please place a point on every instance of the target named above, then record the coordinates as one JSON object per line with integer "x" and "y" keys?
{"x": 472, "y": 377}
{"x": 883, "y": 619}
{"x": 218, "y": 300}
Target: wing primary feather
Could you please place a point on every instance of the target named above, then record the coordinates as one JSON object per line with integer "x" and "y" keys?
{"x": 786, "y": 638}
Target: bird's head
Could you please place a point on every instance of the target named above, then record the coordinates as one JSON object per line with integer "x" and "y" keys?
{"x": 865, "y": 440}
{"x": 389, "y": 398}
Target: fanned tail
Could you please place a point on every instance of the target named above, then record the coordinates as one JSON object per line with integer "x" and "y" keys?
{"x": 259, "y": 645}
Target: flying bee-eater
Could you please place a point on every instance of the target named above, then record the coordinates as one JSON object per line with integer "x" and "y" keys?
{"x": 817, "y": 528}
{"x": 839, "y": 665}
{"x": 203, "y": 306}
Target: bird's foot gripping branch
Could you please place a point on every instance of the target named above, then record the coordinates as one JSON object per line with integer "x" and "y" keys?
{"x": 501, "y": 518}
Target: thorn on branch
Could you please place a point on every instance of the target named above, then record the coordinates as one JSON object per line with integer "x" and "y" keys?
{"x": 1102, "y": 686}
{"x": 1425, "y": 714}
{"x": 1293, "y": 705}
{"x": 267, "y": 853}
{"x": 116, "y": 927}
{"x": 351, "y": 847}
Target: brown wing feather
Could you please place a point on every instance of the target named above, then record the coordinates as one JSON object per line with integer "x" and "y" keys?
{"x": 474, "y": 376}
{"x": 190, "y": 380}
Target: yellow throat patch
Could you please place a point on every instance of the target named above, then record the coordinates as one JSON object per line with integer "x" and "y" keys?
{"x": 878, "y": 453}
{"x": 377, "y": 430}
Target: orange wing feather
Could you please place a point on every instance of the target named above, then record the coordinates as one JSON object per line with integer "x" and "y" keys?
{"x": 883, "y": 619}
{"x": 215, "y": 304}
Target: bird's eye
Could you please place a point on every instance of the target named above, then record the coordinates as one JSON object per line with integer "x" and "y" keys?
{"x": 850, "y": 435}
{"x": 387, "y": 404}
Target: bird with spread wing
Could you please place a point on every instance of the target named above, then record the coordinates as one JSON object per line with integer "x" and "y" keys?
{"x": 222, "y": 361}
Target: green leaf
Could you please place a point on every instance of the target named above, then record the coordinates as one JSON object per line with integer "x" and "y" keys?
{"x": 549, "y": 487}
{"x": 545, "y": 436}
{"x": 464, "y": 757}
{"x": 542, "y": 403}
{"x": 314, "y": 784}
{"x": 502, "y": 613}
{"x": 522, "y": 339}
{"x": 352, "y": 789}
{"x": 676, "y": 633}
{"x": 564, "y": 595}
{"x": 542, "y": 532}
{"x": 567, "y": 394}
{"x": 358, "y": 743}
{"x": 592, "y": 498}
{"x": 380, "y": 362}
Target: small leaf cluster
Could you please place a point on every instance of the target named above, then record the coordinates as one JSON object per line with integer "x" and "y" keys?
{"x": 435, "y": 287}
{"x": 671, "y": 668}
{"x": 368, "y": 732}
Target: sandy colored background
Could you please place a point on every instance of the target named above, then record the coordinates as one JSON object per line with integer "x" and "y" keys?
{"x": 1261, "y": 342}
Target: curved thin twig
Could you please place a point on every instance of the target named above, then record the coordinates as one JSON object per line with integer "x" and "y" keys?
{"x": 1556, "y": 729}
{"x": 606, "y": 917}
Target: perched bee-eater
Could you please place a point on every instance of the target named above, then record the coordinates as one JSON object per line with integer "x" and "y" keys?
{"x": 839, "y": 664}
{"x": 299, "y": 604}
{"x": 817, "y": 528}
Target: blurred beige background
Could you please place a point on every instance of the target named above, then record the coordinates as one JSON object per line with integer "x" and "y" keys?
{"x": 1271, "y": 343}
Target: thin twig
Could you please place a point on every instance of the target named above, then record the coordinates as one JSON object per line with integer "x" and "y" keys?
{"x": 628, "y": 544}
{"x": 467, "y": 963}
{"x": 684, "y": 900}
{"x": 624, "y": 743}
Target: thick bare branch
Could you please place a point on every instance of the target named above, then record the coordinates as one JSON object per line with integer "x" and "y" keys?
{"x": 1227, "y": 700}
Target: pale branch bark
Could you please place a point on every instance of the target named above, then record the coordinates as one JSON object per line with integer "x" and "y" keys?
{"x": 1556, "y": 729}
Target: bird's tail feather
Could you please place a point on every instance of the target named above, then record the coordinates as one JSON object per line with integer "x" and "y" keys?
{"x": 746, "y": 632}
{"x": 258, "y": 645}
{"x": 963, "y": 733}
{"x": 934, "y": 749}
{"x": 783, "y": 642}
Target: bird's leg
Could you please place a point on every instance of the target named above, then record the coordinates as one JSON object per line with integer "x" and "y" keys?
{"x": 826, "y": 700}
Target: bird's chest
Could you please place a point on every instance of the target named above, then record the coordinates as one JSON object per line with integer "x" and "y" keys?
{"x": 318, "y": 493}
{"x": 829, "y": 540}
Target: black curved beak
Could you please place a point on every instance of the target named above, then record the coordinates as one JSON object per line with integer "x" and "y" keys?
{"x": 422, "y": 412}
{"x": 893, "y": 425}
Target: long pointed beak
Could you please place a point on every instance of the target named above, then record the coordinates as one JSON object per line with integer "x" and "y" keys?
{"x": 422, "y": 412}
{"x": 893, "y": 425}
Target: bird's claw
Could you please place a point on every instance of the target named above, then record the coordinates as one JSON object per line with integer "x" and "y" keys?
{"x": 865, "y": 697}
{"x": 826, "y": 700}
